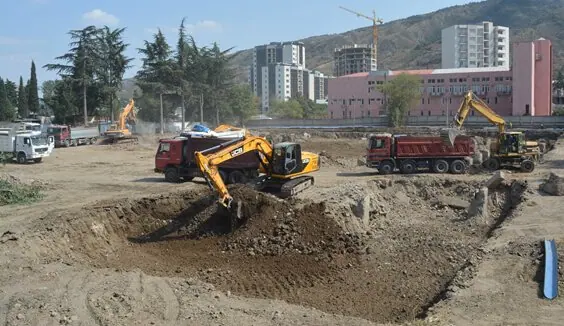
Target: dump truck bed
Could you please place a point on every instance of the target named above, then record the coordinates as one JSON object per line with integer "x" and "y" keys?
{"x": 430, "y": 147}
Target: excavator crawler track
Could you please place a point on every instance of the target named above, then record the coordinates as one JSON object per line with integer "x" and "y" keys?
{"x": 285, "y": 189}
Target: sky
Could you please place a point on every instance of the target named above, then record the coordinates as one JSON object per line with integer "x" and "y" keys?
{"x": 37, "y": 29}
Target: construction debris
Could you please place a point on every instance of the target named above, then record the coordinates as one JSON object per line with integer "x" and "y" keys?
{"x": 554, "y": 185}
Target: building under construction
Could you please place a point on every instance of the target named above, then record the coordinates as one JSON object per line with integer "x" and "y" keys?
{"x": 352, "y": 59}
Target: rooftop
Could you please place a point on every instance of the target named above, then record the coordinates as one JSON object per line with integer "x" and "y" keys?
{"x": 427, "y": 72}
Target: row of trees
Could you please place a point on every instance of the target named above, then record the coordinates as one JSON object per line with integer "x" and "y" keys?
{"x": 187, "y": 75}
{"x": 196, "y": 78}
{"x": 19, "y": 100}
{"x": 91, "y": 73}
{"x": 298, "y": 108}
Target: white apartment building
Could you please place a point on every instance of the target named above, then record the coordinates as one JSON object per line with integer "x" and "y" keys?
{"x": 475, "y": 46}
{"x": 278, "y": 72}
{"x": 352, "y": 59}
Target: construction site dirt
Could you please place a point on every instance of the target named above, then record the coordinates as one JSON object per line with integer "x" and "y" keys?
{"x": 111, "y": 243}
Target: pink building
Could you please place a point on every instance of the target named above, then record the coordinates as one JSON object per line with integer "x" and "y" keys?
{"x": 523, "y": 90}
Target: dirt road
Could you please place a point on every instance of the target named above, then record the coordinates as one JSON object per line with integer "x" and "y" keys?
{"x": 113, "y": 244}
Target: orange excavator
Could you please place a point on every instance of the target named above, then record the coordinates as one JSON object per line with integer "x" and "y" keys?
{"x": 284, "y": 169}
{"x": 120, "y": 131}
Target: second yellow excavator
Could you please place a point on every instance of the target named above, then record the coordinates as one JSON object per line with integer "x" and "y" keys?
{"x": 284, "y": 167}
{"x": 120, "y": 131}
{"x": 511, "y": 147}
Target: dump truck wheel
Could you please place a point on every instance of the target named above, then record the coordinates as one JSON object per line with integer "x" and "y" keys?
{"x": 21, "y": 158}
{"x": 440, "y": 166}
{"x": 527, "y": 166}
{"x": 237, "y": 177}
{"x": 171, "y": 175}
{"x": 408, "y": 167}
{"x": 492, "y": 164}
{"x": 386, "y": 167}
{"x": 457, "y": 167}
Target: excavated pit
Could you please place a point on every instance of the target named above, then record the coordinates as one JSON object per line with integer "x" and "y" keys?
{"x": 388, "y": 263}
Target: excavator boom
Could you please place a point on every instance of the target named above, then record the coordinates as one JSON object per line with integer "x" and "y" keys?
{"x": 469, "y": 102}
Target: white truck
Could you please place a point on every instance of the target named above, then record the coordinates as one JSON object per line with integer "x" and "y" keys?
{"x": 24, "y": 146}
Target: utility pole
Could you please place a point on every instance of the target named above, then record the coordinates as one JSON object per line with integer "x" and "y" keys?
{"x": 162, "y": 115}
{"x": 183, "y": 112}
{"x": 202, "y": 108}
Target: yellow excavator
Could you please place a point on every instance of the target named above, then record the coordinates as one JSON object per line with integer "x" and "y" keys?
{"x": 511, "y": 147}
{"x": 120, "y": 131}
{"x": 283, "y": 167}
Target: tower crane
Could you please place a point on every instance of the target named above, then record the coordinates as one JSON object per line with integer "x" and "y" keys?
{"x": 375, "y": 21}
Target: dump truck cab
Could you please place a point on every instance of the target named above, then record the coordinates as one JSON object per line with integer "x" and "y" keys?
{"x": 379, "y": 148}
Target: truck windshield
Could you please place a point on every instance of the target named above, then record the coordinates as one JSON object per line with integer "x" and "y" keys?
{"x": 54, "y": 130}
{"x": 376, "y": 143}
{"x": 33, "y": 128}
{"x": 39, "y": 141}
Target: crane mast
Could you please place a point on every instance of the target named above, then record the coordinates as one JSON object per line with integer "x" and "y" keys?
{"x": 375, "y": 21}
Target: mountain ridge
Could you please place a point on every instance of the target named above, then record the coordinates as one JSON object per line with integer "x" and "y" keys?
{"x": 415, "y": 42}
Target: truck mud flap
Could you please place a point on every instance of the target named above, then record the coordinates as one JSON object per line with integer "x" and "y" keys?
{"x": 550, "y": 286}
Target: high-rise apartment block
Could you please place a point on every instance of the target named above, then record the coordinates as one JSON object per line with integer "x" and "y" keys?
{"x": 475, "y": 46}
{"x": 278, "y": 72}
{"x": 352, "y": 59}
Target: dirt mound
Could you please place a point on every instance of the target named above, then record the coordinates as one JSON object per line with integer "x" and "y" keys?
{"x": 403, "y": 256}
{"x": 275, "y": 228}
{"x": 554, "y": 185}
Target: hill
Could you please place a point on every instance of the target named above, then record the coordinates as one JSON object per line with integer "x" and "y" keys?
{"x": 415, "y": 42}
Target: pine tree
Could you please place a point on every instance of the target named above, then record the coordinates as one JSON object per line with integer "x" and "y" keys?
{"x": 5, "y": 108}
{"x": 33, "y": 96}
{"x": 22, "y": 99}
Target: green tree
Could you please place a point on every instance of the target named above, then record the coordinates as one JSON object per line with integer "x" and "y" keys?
{"x": 291, "y": 109}
{"x": 22, "y": 99}
{"x": 79, "y": 66}
{"x": 400, "y": 93}
{"x": 112, "y": 64}
{"x": 242, "y": 103}
{"x": 33, "y": 94}
{"x": 6, "y": 109}
{"x": 312, "y": 110}
{"x": 559, "y": 83}
{"x": 11, "y": 92}
{"x": 156, "y": 76}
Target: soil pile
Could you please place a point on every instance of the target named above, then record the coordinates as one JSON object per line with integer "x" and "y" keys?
{"x": 275, "y": 228}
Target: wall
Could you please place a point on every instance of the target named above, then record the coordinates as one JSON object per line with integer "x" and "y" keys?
{"x": 448, "y": 47}
{"x": 524, "y": 73}
{"x": 428, "y": 121}
{"x": 355, "y": 95}
{"x": 543, "y": 77}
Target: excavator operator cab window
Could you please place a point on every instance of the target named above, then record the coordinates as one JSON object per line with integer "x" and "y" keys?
{"x": 287, "y": 159}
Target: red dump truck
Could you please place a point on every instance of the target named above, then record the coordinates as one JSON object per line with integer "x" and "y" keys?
{"x": 175, "y": 159}
{"x": 410, "y": 154}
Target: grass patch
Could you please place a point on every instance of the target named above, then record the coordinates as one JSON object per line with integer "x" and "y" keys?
{"x": 18, "y": 193}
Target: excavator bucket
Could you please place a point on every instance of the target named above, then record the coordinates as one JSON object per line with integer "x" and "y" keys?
{"x": 449, "y": 135}
{"x": 233, "y": 212}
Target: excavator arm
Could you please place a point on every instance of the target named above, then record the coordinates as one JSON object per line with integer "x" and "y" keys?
{"x": 469, "y": 102}
{"x": 128, "y": 109}
{"x": 209, "y": 160}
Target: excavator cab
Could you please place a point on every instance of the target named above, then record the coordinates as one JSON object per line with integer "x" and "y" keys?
{"x": 511, "y": 143}
{"x": 287, "y": 159}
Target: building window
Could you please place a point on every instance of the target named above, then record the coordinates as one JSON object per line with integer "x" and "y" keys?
{"x": 527, "y": 109}
{"x": 428, "y": 101}
{"x": 495, "y": 100}
{"x": 368, "y": 112}
{"x": 450, "y": 100}
{"x": 331, "y": 114}
{"x": 429, "y": 112}
{"x": 421, "y": 112}
{"x": 422, "y": 101}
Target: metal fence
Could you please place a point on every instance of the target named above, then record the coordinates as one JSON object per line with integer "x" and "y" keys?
{"x": 414, "y": 121}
